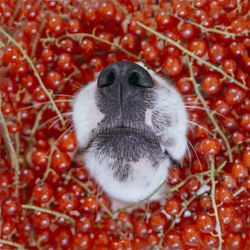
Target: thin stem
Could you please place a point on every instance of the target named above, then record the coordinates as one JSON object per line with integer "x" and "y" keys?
{"x": 45, "y": 175}
{"x": 9, "y": 144}
{"x": 48, "y": 211}
{"x": 188, "y": 52}
{"x": 176, "y": 187}
{"x": 242, "y": 189}
{"x": 37, "y": 120}
{"x": 35, "y": 73}
{"x": 205, "y": 29}
{"x": 82, "y": 35}
{"x": 37, "y": 37}
{"x": 11, "y": 243}
{"x": 209, "y": 114}
{"x": 91, "y": 193}
{"x": 213, "y": 185}
{"x": 184, "y": 208}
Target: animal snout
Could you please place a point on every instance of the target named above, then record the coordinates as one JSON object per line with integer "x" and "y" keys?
{"x": 123, "y": 79}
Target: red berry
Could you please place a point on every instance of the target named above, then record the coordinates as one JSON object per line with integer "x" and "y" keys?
{"x": 54, "y": 79}
{"x": 173, "y": 240}
{"x": 65, "y": 61}
{"x": 246, "y": 158}
{"x": 40, "y": 158}
{"x": 173, "y": 65}
{"x": 67, "y": 142}
{"x": 210, "y": 146}
{"x": 205, "y": 223}
{"x": 42, "y": 193}
{"x": 172, "y": 206}
{"x": 67, "y": 201}
{"x": 82, "y": 241}
{"x": 191, "y": 235}
{"x": 158, "y": 222}
{"x": 239, "y": 170}
{"x": 198, "y": 47}
{"x": 55, "y": 24}
{"x": 211, "y": 84}
{"x": 60, "y": 161}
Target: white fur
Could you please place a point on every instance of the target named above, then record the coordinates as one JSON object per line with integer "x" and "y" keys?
{"x": 170, "y": 102}
{"x": 144, "y": 178}
{"x": 143, "y": 181}
{"x": 86, "y": 114}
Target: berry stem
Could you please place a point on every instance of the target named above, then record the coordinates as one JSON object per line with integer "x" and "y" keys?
{"x": 9, "y": 144}
{"x": 48, "y": 211}
{"x": 80, "y": 36}
{"x": 176, "y": 187}
{"x": 205, "y": 29}
{"x": 91, "y": 193}
{"x": 37, "y": 37}
{"x": 213, "y": 185}
{"x": 37, "y": 120}
{"x": 48, "y": 164}
{"x": 209, "y": 114}
{"x": 242, "y": 189}
{"x": 11, "y": 243}
{"x": 50, "y": 96}
{"x": 179, "y": 46}
{"x": 184, "y": 208}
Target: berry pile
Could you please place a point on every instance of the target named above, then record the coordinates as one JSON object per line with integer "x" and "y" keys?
{"x": 49, "y": 49}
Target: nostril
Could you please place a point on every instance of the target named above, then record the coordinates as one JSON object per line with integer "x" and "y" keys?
{"x": 106, "y": 79}
{"x": 140, "y": 78}
{"x": 110, "y": 78}
{"x": 134, "y": 79}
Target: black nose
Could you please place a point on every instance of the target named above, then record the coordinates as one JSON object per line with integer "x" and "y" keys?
{"x": 125, "y": 76}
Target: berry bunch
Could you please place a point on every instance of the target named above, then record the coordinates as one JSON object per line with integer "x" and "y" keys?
{"x": 49, "y": 49}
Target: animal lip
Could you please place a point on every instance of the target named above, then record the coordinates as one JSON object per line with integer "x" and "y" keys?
{"x": 125, "y": 131}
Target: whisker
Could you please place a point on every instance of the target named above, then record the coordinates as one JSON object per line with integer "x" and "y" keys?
{"x": 198, "y": 125}
{"x": 66, "y": 114}
{"x": 196, "y": 155}
{"x": 189, "y": 156}
{"x": 34, "y": 105}
{"x": 210, "y": 133}
{"x": 211, "y": 110}
{"x": 71, "y": 96}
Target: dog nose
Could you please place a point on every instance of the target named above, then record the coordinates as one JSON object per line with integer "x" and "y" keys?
{"x": 124, "y": 76}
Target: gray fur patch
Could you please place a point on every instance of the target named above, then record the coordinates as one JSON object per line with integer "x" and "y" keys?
{"x": 126, "y": 146}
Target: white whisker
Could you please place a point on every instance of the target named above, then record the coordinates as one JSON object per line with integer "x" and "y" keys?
{"x": 197, "y": 157}
{"x": 202, "y": 108}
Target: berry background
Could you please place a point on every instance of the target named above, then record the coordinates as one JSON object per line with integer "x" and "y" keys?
{"x": 50, "y": 49}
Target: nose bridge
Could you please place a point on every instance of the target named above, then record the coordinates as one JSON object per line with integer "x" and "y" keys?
{"x": 122, "y": 79}
{"x": 123, "y": 93}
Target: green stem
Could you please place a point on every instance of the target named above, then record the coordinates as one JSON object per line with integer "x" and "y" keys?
{"x": 242, "y": 189}
{"x": 35, "y": 73}
{"x": 188, "y": 52}
{"x": 11, "y": 150}
{"x": 209, "y": 114}
{"x": 11, "y": 243}
{"x": 91, "y": 193}
{"x": 214, "y": 202}
{"x": 82, "y": 35}
{"x": 48, "y": 211}
{"x": 45, "y": 175}
{"x": 205, "y": 29}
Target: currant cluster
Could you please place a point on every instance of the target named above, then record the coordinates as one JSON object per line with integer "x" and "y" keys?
{"x": 50, "y": 49}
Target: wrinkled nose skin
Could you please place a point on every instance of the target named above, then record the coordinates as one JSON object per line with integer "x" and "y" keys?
{"x": 124, "y": 92}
